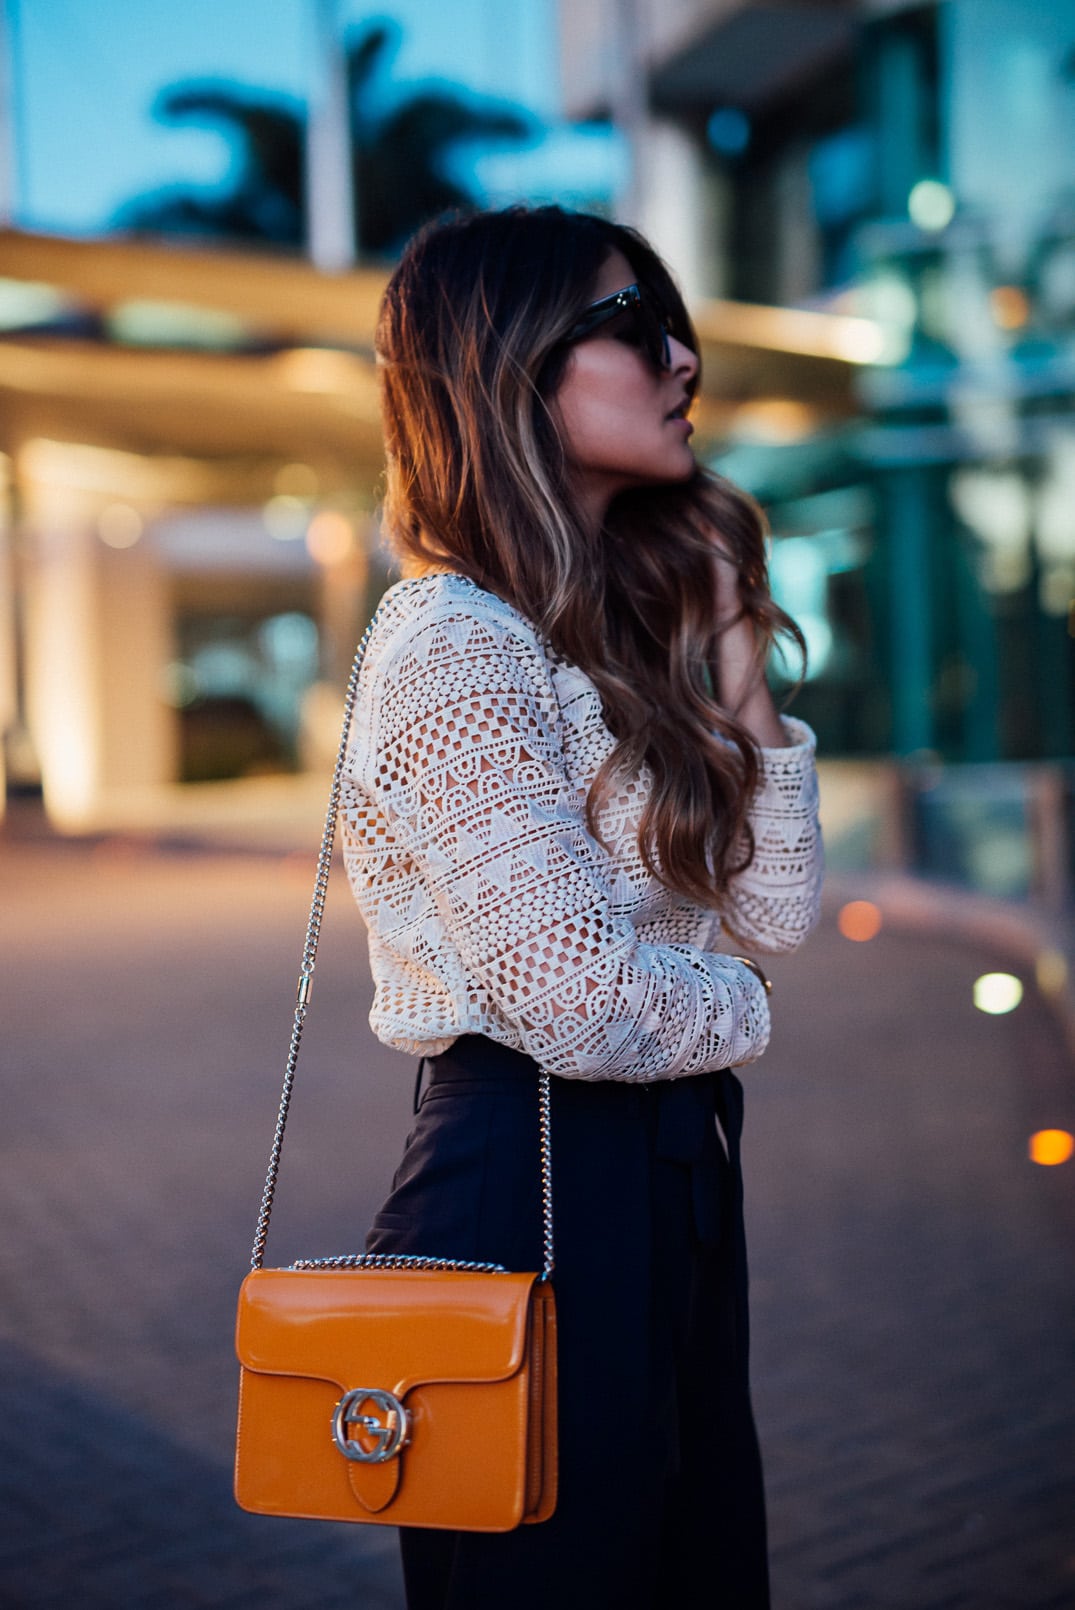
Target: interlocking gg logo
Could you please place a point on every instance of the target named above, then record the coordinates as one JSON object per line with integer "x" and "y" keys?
{"x": 388, "y": 1428}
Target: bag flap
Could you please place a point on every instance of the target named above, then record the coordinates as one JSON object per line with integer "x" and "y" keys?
{"x": 393, "y": 1328}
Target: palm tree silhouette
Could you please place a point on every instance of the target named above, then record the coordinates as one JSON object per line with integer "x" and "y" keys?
{"x": 398, "y": 156}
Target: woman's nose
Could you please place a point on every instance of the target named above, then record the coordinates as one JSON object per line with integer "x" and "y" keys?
{"x": 682, "y": 361}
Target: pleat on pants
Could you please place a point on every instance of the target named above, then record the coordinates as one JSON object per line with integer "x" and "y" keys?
{"x": 661, "y": 1504}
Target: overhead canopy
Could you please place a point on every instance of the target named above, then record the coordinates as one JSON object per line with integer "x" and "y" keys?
{"x": 274, "y": 359}
{"x": 748, "y": 55}
{"x": 290, "y": 403}
{"x": 278, "y": 296}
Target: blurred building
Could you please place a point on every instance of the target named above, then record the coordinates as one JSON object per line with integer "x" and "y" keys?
{"x": 871, "y": 208}
{"x": 911, "y": 163}
{"x": 189, "y": 434}
{"x": 190, "y": 443}
{"x": 191, "y": 447}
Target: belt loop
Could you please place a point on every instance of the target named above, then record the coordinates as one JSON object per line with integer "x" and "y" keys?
{"x": 418, "y": 1083}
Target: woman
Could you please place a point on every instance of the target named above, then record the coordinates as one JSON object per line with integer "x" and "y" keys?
{"x": 567, "y": 777}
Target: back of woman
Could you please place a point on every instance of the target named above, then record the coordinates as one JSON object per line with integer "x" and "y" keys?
{"x": 568, "y": 790}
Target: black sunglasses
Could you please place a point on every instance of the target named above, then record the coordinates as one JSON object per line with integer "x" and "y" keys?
{"x": 635, "y": 318}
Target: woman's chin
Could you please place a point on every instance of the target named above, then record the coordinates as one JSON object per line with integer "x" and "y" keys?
{"x": 686, "y": 466}
{"x": 671, "y": 468}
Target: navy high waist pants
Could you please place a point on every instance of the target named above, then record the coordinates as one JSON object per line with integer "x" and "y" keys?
{"x": 660, "y": 1504}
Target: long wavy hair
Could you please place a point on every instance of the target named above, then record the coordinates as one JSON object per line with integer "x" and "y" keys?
{"x": 471, "y": 351}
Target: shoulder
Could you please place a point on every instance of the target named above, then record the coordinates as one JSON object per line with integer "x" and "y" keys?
{"x": 448, "y": 662}
{"x": 443, "y": 618}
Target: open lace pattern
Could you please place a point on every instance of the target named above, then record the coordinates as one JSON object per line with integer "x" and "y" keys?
{"x": 489, "y": 906}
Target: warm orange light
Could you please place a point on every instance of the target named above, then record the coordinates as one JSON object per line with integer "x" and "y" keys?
{"x": 1051, "y": 1146}
{"x": 329, "y": 537}
{"x": 1009, "y": 306}
{"x": 859, "y": 920}
{"x": 778, "y": 420}
{"x": 1051, "y": 972}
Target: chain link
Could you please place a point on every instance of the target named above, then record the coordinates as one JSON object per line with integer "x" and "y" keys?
{"x": 396, "y": 1260}
{"x": 548, "y": 1250}
{"x": 309, "y": 958}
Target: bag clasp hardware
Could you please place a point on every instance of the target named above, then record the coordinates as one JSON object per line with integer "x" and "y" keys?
{"x": 389, "y": 1436}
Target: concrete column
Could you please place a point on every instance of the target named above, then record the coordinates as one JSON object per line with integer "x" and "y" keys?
{"x": 680, "y": 207}
{"x": 62, "y": 661}
{"x": 330, "y": 208}
{"x": 670, "y": 195}
{"x": 341, "y": 615}
{"x": 139, "y": 746}
{"x": 97, "y": 639}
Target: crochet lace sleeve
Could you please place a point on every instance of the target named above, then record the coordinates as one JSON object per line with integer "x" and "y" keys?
{"x": 776, "y": 902}
{"x": 466, "y": 762}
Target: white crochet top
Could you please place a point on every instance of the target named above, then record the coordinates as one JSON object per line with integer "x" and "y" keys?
{"x": 489, "y": 906}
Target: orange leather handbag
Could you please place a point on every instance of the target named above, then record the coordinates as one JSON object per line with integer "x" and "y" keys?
{"x": 397, "y": 1390}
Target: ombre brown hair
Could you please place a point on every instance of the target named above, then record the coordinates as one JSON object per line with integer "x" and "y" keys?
{"x": 471, "y": 350}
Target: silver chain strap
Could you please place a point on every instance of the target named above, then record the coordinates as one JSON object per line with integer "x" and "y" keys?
{"x": 395, "y": 1260}
{"x": 369, "y": 1260}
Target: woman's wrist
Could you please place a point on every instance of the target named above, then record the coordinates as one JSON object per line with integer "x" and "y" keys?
{"x": 741, "y": 685}
{"x": 740, "y": 660}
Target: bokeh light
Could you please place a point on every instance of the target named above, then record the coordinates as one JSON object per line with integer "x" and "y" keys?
{"x": 119, "y": 526}
{"x": 330, "y": 538}
{"x": 859, "y": 920}
{"x": 285, "y": 517}
{"x": 179, "y": 684}
{"x": 1051, "y": 1146}
{"x": 1009, "y": 306}
{"x": 997, "y": 993}
{"x": 931, "y": 205}
{"x": 861, "y": 341}
{"x": 729, "y": 131}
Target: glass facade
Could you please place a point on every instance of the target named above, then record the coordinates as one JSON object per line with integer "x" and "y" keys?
{"x": 924, "y": 179}
{"x": 930, "y": 550}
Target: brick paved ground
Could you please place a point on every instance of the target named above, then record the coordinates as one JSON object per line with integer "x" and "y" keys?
{"x": 913, "y": 1303}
